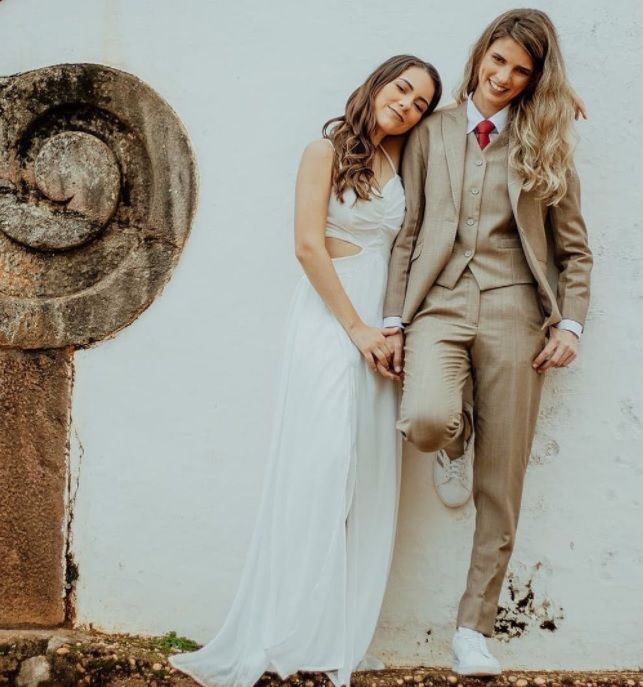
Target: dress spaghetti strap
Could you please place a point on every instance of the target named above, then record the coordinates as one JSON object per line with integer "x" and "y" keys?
{"x": 388, "y": 158}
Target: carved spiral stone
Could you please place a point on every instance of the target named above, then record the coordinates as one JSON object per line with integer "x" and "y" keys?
{"x": 97, "y": 195}
{"x": 78, "y": 171}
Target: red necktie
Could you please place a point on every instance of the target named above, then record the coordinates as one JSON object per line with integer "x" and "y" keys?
{"x": 482, "y": 132}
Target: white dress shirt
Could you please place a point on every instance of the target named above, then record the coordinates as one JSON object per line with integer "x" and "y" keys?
{"x": 499, "y": 120}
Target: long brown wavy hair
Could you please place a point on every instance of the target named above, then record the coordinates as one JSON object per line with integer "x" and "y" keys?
{"x": 541, "y": 117}
{"x": 351, "y": 134}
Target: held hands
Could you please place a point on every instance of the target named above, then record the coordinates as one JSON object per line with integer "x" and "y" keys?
{"x": 382, "y": 348}
{"x": 395, "y": 344}
{"x": 560, "y": 350}
{"x": 371, "y": 343}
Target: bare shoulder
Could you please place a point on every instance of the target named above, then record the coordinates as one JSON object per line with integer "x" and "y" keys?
{"x": 320, "y": 150}
{"x": 316, "y": 164}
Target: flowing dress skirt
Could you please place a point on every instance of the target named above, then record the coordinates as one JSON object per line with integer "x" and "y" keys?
{"x": 314, "y": 578}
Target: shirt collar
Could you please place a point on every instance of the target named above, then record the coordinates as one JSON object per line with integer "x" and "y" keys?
{"x": 474, "y": 117}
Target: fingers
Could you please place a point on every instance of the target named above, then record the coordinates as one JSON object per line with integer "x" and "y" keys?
{"x": 377, "y": 355}
{"x": 379, "y": 348}
{"x": 381, "y": 354}
{"x": 396, "y": 346}
{"x": 386, "y": 373}
{"x": 543, "y": 357}
{"x": 554, "y": 360}
{"x": 398, "y": 354}
{"x": 579, "y": 105}
{"x": 370, "y": 361}
{"x": 568, "y": 359}
{"x": 556, "y": 353}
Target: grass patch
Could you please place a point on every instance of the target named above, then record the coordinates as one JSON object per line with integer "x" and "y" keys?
{"x": 171, "y": 641}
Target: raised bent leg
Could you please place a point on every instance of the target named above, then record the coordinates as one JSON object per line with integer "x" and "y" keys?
{"x": 436, "y": 367}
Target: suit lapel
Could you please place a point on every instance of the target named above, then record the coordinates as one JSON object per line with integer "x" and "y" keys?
{"x": 514, "y": 185}
{"x": 454, "y": 127}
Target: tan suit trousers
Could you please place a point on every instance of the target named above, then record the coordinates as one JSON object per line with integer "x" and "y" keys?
{"x": 493, "y": 337}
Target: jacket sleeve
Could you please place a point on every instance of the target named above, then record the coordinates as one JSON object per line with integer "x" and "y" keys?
{"x": 414, "y": 170}
{"x": 572, "y": 255}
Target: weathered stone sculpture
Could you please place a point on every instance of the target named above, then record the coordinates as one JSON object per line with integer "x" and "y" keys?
{"x": 97, "y": 194}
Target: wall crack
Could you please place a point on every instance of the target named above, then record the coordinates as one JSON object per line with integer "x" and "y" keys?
{"x": 71, "y": 566}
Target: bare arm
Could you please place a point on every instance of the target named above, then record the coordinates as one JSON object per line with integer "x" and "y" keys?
{"x": 312, "y": 194}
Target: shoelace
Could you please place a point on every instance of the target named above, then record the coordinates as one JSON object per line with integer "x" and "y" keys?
{"x": 456, "y": 468}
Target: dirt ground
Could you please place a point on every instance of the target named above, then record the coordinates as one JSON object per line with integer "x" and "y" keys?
{"x": 70, "y": 658}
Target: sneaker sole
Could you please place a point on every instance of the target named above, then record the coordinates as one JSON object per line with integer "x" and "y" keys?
{"x": 475, "y": 671}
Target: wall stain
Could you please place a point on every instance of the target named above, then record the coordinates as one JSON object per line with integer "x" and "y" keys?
{"x": 544, "y": 450}
{"x": 524, "y": 611}
{"x": 71, "y": 567}
{"x": 628, "y": 410}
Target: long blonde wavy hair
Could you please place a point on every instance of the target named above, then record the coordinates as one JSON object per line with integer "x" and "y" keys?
{"x": 351, "y": 134}
{"x": 541, "y": 116}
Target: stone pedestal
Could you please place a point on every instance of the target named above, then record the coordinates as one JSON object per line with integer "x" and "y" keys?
{"x": 97, "y": 194}
{"x": 35, "y": 388}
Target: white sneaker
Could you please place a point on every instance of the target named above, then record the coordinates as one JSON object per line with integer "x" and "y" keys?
{"x": 471, "y": 655}
{"x": 453, "y": 479}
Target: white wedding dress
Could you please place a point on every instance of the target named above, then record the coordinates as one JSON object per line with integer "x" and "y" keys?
{"x": 313, "y": 582}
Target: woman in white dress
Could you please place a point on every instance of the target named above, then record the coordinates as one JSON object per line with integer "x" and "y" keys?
{"x": 314, "y": 579}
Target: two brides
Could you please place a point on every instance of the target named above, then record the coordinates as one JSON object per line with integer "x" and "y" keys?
{"x": 314, "y": 579}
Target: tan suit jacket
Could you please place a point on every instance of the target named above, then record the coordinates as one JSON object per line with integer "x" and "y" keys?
{"x": 432, "y": 171}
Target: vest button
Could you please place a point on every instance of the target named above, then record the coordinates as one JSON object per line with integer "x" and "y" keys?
{"x": 468, "y": 253}
{"x": 479, "y": 163}
{"x": 475, "y": 191}
{"x": 471, "y": 221}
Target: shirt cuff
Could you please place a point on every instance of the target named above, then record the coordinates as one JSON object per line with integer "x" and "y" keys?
{"x": 571, "y": 326}
{"x": 393, "y": 322}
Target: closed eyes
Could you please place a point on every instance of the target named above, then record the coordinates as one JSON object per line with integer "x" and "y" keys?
{"x": 403, "y": 89}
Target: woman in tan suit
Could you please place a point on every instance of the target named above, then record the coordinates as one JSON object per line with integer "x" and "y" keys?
{"x": 486, "y": 181}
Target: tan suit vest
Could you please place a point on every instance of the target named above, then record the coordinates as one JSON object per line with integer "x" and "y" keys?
{"x": 487, "y": 240}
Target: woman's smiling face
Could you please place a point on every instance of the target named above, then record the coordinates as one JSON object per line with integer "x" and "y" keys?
{"x": 401, "y": 103}
{"x": 504, "y": 72}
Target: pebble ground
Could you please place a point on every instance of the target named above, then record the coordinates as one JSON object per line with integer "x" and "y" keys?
{"x": 88, "y": 659}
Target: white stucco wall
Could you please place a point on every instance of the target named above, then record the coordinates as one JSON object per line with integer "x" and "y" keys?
{"x": 173, "y": 414}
